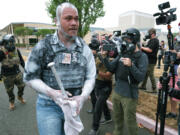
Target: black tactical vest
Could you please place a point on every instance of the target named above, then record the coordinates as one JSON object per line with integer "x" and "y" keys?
{"x": 70, "y": 65}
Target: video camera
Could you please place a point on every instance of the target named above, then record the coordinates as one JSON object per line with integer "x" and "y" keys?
{"x": 165, "y": 17}
{"x": 169, "y": 60}
{"x": 118, "y": 43}
{"x": 8, "y": 42}
{"x": 95, "y": 43}
{"x": 147, "y": 36}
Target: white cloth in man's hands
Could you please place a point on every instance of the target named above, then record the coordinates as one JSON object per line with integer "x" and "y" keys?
{"x": 80, "y": 102}
{"x": 57, "y": 94}
{"x": 73, "y": 124}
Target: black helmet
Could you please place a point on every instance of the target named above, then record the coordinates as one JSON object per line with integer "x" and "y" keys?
{"x": 9, "y": 42}
{"x": 95, "y": 43}
{"x": 9, "y": 38}
{"x": 133, "y": 34}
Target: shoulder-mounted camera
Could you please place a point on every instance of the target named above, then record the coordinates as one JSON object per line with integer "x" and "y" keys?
{"x": 121, "y": 44}
{"x": 95, "y": 43}
{"x": 165, "y": 17}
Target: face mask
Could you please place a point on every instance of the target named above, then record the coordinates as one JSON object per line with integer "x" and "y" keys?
{"x": 10, "y": 47}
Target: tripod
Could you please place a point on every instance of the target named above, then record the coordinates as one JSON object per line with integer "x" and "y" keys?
{"x": 164, "y": 80}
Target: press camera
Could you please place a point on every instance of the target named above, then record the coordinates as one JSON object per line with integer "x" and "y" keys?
{"x": 165, "y": 17}
{"x": 118, "y": 44}
{"x": 94, "y": 45}
{"x": 169, "y": 60}
{"x": 147, "y": 36}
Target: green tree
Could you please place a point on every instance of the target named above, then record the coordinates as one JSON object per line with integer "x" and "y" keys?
{"x": 44, "y": 32}
{"x": 22, "y": 31}
{"x": 88, "y": 10}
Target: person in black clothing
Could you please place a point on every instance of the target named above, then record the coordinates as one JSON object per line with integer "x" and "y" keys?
{"x": 130, "y": 69}
{"x": 94, "y": 46}
{"x": 161, "y": 53}
{"x": 151, "y": 50}
{"x": 103, "y": 88}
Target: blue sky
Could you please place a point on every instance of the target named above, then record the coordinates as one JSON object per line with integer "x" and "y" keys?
{"x": 35, "y": 11}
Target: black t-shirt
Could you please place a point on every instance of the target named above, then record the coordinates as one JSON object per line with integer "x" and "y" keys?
{"x": 153, "y": 44}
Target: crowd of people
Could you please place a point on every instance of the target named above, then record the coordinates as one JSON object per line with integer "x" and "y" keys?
{"x": 87, "y": 71}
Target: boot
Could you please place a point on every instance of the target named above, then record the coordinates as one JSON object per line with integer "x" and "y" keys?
{"x": 21, "y": 100}
{"x": 11, "y": 106}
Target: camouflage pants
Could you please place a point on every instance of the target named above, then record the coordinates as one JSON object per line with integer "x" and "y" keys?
{"x": 10, "y": 81}
{"x": 124, "y": 113}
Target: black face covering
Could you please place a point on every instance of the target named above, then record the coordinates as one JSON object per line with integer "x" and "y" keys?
{"x": 10, "y": 47}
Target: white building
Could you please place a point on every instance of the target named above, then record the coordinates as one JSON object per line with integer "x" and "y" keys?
{"x": 136, "y": 19}
{"x": 139, "y": 20}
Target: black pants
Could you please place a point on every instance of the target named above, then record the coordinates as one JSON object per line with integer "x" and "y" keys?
{"x": 93, "y": 99}
{"x": 102, "y": 90}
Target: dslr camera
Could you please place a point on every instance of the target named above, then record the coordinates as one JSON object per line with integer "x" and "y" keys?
{"x": 8, "y": 42}
{"x": 165, "y": 17}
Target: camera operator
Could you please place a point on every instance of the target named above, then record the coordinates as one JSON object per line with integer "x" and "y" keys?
{"x": 129, "y": 68}
{"x": 151, "y": 50}
{"x": 94, "y": 46}
{"x": 103, "y": 88}
{"x": 161, "y": 53}
{"x": 10, "y": 58}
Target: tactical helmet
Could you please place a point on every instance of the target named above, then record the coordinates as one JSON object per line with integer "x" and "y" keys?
{"x": 9, "y": 38}
{"x": 9, "y": 42}
{"x": 95, "y": 43}
{"x": 133, "y": 34}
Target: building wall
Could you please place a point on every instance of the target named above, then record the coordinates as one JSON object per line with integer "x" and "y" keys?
{"x": 38, "y": 25}
{"x": 9, "y": 29}
{"x": 135, "y": 19}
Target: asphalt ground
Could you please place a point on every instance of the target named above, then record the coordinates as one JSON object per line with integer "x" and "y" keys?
{"x": 22, "y": 121}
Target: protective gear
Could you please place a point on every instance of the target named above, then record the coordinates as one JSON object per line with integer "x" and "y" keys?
{"x": 9, "y": 42}
{"x": 94, "y": 45}
{"x": 75, "y": 65}
{"x": 133, "y": 34}
{"x": 10, "y": 65}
